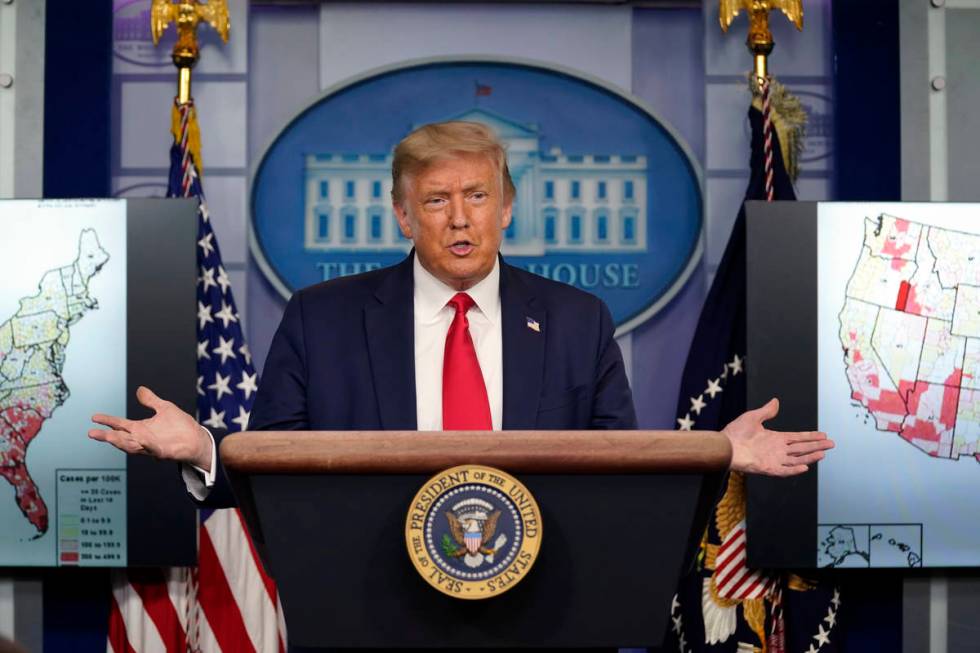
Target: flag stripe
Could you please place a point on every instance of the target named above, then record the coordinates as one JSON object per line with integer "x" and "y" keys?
{"x": 161, "y": 611}
{"x": 256, "y": 604}
{"x": 206, "y": 641}
{"x": 118, "y": 641}
{"x": 270, "y": 585}
{"x": 744, "y": 576}
{"x": 731, "y": 549}
{"x": 141, "y": 633}
{"x": 227, "y": 625}
{"x": 725, "y": 573}
{"x": 733, "y": 579}
{"x": 725, "y": 585}
{"x": 756, "y": 590}
{"x": 281, "y": 623}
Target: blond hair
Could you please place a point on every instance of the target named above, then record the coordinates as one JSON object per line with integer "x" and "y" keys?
{"x": 443, "y": 140}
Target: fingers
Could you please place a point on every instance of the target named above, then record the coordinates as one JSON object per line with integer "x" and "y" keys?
{"x": 800, "y": 447}
{"x": 808, "y": 459}
{"x": 121, "y": 440}
{"x": 765, "y": 412}
{"x": 791, "y": 470}
{"x": 148, "y": 398}
{"x": 807, "y": 436}
{"x": 771, "y": 409}
{"x": 113, "y": 422}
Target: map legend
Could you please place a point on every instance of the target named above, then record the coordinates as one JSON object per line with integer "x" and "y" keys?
{"x": 91, "y": 517}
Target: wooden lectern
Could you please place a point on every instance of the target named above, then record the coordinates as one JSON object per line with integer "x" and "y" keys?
{"x": 623, "y": 514}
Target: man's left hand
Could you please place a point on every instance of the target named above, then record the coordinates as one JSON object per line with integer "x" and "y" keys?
{"x": 757, "y": 450}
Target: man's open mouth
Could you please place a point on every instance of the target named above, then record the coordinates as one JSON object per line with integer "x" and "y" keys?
{"x": 462, "y": 247}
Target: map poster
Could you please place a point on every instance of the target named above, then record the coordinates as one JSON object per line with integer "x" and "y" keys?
{"x": 899, "y": 384}
{"x": 62, "y": 358}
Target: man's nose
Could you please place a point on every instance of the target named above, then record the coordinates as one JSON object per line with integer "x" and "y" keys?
{"x": 458, "y": 215}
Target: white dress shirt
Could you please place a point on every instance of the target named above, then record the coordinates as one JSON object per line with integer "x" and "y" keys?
{"x": 432, "y": 320}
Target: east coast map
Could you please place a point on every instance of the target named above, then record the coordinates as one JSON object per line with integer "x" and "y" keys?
{"x": 900, "y": 383}
{"x": 33, "y": 346}
{"x": 62, "y": 357}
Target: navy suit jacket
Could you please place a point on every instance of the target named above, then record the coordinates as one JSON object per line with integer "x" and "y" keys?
{"x": 343, "y": 358}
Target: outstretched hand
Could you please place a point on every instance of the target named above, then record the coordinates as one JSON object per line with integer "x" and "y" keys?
{"x": 757, "y": 450}
{"x": 170, "y": 434}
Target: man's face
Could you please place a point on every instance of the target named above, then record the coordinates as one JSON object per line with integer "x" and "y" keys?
{"x": 454, "y": 211}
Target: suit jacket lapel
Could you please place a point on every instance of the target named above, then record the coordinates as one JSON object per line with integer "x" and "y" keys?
{"x": 390, "y": 325}
{"x": 523, "y": 348}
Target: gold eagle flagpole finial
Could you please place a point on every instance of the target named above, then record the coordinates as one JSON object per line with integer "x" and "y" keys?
{"x": 760, "y": 41}
{"x": 186, "y": 15}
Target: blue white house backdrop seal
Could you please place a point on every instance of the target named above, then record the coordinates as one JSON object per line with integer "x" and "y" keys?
{"x": 608, "y": 197}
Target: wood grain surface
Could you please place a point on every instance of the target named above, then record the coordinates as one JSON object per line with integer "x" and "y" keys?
{"x": 530, "y": 452}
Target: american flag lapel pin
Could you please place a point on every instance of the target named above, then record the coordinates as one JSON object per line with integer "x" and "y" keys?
{"x": 533, "y": 325}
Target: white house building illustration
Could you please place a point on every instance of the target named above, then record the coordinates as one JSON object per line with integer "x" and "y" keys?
{"x": 564, "y": 203}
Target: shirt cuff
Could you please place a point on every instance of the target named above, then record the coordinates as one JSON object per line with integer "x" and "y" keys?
{"x": 197, "y": 481}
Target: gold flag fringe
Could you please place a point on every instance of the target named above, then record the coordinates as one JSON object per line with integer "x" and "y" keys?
{"x": 789, "y": 119}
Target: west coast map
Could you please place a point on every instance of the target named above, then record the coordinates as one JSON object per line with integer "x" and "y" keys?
{"x": 899, "y": 384}
{"x": 910, "y": 331}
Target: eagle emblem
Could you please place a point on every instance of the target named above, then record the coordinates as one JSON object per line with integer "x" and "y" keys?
{"x": 473, "y": 523}
{"x": 473, "y": 532}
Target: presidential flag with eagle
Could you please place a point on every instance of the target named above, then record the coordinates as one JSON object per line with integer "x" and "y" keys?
{"x": 723, "y": 606}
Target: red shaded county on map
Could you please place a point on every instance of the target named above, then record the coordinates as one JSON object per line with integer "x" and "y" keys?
{"x": 910, "y": 331}
{"x": 32, "y": 358}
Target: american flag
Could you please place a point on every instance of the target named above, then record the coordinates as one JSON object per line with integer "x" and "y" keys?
{"x": 228, "y": 603}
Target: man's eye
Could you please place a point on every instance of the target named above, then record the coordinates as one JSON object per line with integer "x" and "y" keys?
{"x": 478, "y": 196}
{"x": 435, "y": 201}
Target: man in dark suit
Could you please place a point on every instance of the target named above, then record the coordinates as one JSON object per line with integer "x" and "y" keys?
{"x": 451, "y": 338}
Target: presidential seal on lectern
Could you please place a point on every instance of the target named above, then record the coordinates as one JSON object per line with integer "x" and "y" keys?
{"x": 473, "y": 532}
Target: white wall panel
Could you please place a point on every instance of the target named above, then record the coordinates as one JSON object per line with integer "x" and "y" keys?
{"x": 283, "y": 40}
{"x": 727, "y": 126}
{"x": 226, "y": 204}
{"x": 729, "y": 133}
{"x": 359, "y": 37}
{"x": 675, "y": 91}
{"x": 21, "y": 98}
{"x": 723, "y": 198}
{"x": 145, "y": 123}
{"x": 139, "y": 186}
{"x": 814, "y": 189}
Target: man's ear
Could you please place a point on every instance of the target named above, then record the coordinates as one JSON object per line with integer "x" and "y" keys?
{"x": 508, "y": 214}
{"x": 402, "y": 216}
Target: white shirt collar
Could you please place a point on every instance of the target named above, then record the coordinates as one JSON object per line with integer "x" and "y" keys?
{"x": 432, "y": 295}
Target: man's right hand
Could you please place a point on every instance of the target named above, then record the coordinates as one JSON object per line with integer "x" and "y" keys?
{"x": 171, "y": 434}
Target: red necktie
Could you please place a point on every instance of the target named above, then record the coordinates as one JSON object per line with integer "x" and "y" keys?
{"x": 465, "y": 406}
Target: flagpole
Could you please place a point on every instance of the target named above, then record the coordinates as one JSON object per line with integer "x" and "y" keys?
{"x": 760, "y": 44}
{"x": 184, "y": 84}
